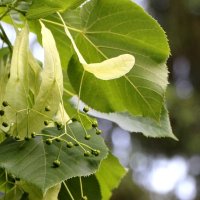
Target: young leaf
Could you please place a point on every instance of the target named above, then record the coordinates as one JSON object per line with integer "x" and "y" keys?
{"x": 34, "y": 158}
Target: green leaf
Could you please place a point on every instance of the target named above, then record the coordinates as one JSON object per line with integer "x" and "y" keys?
{"x": 98, "y": 186}
{"x": 108, "y": 69}
{"x": 147, "y": 126}
{"x": 34, "y": 158}
{"x": 43, "y": 8}
{"x": 109, "y": 176}
{"x": 15, "y": 194}
{"x": 7, "y": 182}
{"x": 90, "y": 187}
{"x": 32, "y": 87}
{"x": 118, "y": 95}
{"x": 34, "y": 193}
{"x": 105, "y": 29}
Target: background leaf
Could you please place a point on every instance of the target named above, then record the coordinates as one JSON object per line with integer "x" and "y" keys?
{"x": 109, "y": 175}
{"x": 90, "y": 185}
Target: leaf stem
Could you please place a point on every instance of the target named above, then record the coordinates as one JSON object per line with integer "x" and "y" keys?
{"x": 81, "y": 186}
{"x": 70, "y": 194}
{"x": 58, "y": 24}
{"x": 79, "y": 92}
{"x": 4, "y": 37}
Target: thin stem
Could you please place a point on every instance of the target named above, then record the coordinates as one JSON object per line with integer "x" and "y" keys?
{"x": 81, "y": 186}
{"x": 79, "y": 92}
{"x": 59, "y": 151}
{"x": 68, "y": 92}
{"x": 80, "y": 57}
{"x": 4, "y": 37}
{"x": 41, "y": 114}
{"x": 58, "y": 24}
{"x": 70, "y": 194}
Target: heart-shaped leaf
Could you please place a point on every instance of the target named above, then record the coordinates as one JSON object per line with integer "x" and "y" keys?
{"x": 33, "y": 160}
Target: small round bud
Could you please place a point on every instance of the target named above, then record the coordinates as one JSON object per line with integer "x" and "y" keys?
{"x": 33, "y": 134}
{"x": 76, "y": 144}
{"x": 27, "y": 138}
{"x": 2, "y": 112}
{"x": 4, "y": 124}
{"x": 58, "y": 139}
{"x": 56, "y": 163}
{"x": 74, "y": 119}
{"x": 87, "y": 137}
{"x": 17, "y": 138}
{"x": 69, "y": 145}
{"x": 95, "y": 152}
{"x": 59, "y": 126}
{"x": 98, "y": 131}
{"x": 46, "y": 123}
{"x": 87, "y": 153}
{"x": 94, "y": 124}
{"x": 47, "y": 109}
{"x": 5, "y": 103}
{"x": 84, "y": 198}
{"x": 48, "y": 141}
{"x": 86, "y": 109}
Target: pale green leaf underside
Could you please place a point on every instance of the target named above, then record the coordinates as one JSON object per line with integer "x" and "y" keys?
{"x": 104, "y": 29}
{"x": 34, "y": 158}
{"x": 147, "y": 126}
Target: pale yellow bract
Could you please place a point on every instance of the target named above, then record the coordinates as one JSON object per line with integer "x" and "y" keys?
{"x": 111, "y": 68}
{"x": 108, "y": 69}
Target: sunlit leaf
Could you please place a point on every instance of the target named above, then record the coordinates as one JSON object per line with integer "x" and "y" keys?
{"x": 100, "y": 36}
{"x": 43, "y": 8}
{"x": 147, "y": 126}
